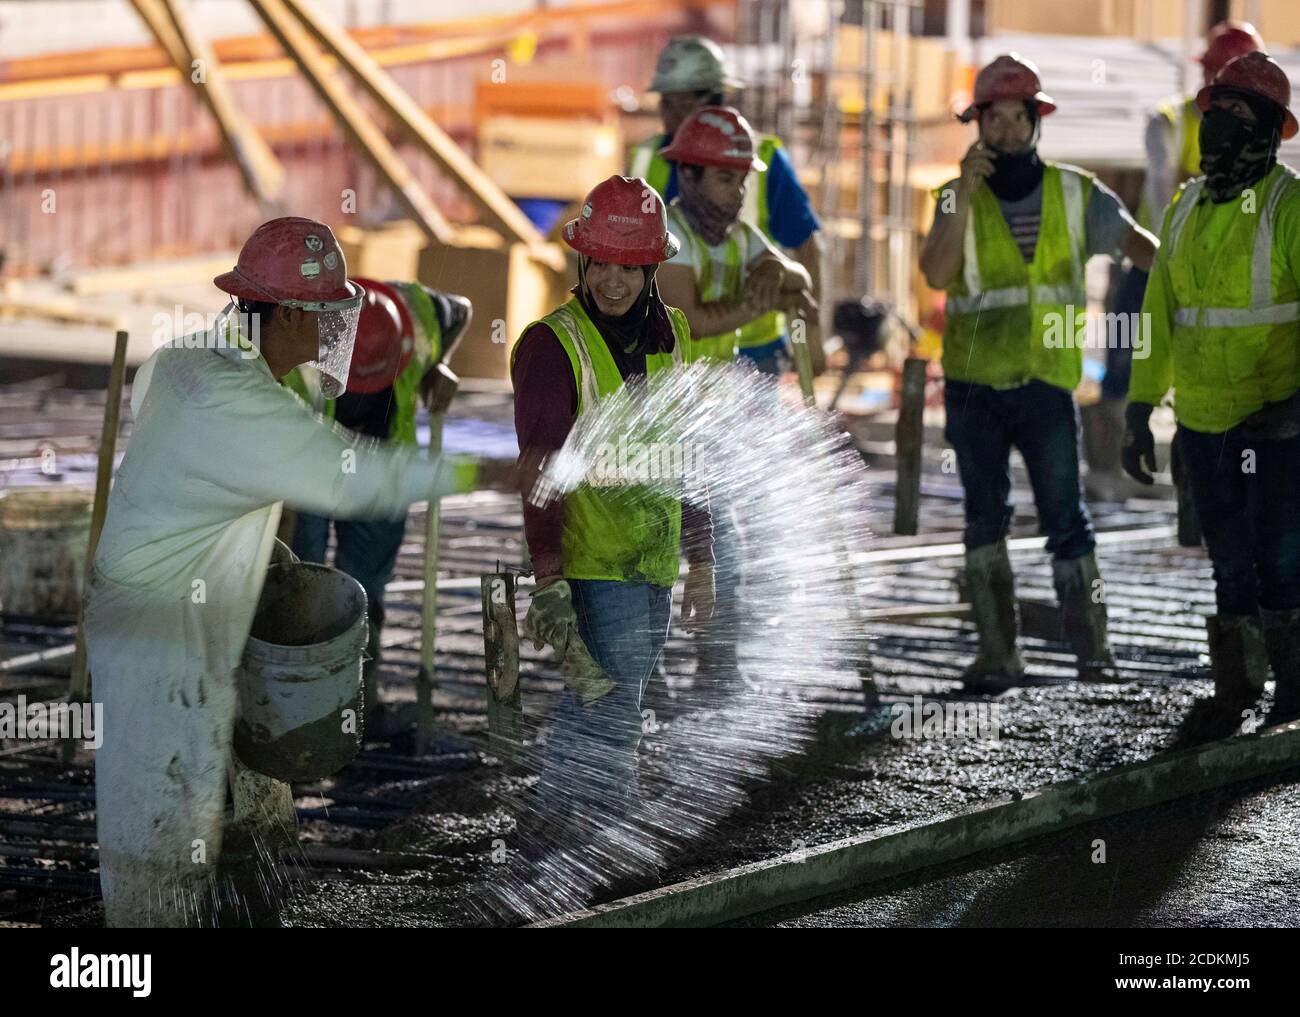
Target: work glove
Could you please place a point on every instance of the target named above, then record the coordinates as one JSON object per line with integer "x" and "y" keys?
{"x": 1139, "y": 442}
{"x": 551, "y": 621}
{"x": 698, "y": 598}
{"x": 1275, "y": 422}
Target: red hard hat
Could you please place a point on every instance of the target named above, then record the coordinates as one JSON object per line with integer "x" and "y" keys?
{"x": 292, "y": 261}
{"x": 623, "y": 221}
{"x": 1010, "y": 76}
{"x": 1226, "y": 40}
{"x": 1255, "y": 74}
{"x": 385, "y": 338}
{"x": 715, "y": 136}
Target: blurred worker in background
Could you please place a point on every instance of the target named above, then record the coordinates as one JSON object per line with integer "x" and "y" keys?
{"x": 1010, "y": 241}
{"x": 406, "y": 336}
{"x": 217, "y": 445}
{"x": 726, "y": 278}
{"x": 605, "y": 557}
{"x": 1225, "y": 327}
{"x": 692, "y": 73}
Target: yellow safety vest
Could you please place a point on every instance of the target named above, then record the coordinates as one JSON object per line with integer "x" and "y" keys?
{"x": 1009, "y": 322}
{"x": 621, "y": 532}
{"x": 1185, "y": 121}
{"x": 647, "y": 163}
{"x": 1235, "y": 341}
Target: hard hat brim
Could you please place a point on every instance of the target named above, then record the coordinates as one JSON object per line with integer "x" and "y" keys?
{"x": 1290, "y": 126}
{"x": 1046, "y": 106}
{"x": 618, "y": 255}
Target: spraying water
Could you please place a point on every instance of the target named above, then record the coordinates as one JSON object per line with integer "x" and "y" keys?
{"x": 785, "y": 496}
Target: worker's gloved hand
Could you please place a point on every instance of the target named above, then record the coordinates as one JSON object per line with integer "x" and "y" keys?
{"x": 438, "y": 388}
{"x": 551, "y": 621}
{"x": 1276, "y": 421}
{"x": 1139, "y": 442}
{"x": 763, "y": 287}
{"x": 698, "y": 598}
{"x": 582, "y": 674}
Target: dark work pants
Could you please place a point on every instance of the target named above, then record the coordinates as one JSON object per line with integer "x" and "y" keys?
{"x": 1247, "y": 494}
{"x": 1042, "y": 421}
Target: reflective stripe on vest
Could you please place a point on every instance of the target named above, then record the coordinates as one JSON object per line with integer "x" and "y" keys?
{"x": 624, "y": 533}
{"x": 1262, "y": 309}
{"x": 1012, "y": 321}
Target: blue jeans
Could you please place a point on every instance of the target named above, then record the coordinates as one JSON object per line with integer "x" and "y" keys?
{"x": 769, "y": 359}
{"x": 1040, "y": 420}
{"x": 1250, "y": 520}
{"x": 367, "y": 551}
{"x": 590, "y": 762}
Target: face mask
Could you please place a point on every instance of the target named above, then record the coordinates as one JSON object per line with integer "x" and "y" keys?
{"x": 1234, "y": 153}
{"x": 708, "y": 218}
{"x": 1016, "y": 174}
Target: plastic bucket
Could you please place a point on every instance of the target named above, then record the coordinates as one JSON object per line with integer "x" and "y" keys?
{"x": 43, "y": 537}
{"x": 300, "y": 676}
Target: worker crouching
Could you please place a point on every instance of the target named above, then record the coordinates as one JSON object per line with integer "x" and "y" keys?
{"x": 1010, "y": 241}
{"x": 605, "y": 558}
{"x": 1225, "y": 324}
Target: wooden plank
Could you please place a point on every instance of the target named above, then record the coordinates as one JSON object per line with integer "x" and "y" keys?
{"x": 909, "y": 434}
{"x": 496, "y": 209}
{"x": 363, "y": 132}
{"x": 263, "y": 175}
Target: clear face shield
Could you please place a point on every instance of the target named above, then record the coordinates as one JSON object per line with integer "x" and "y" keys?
{"x": 337, "y": 323}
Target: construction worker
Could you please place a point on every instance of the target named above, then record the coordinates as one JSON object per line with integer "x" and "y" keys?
{"x": 691, "y": 73}
{"x": 1224, "y": 332}
{"x": 725, "y": 276}
{"x": 1009, "y": 244}
{"x": 216, "y": 447}
{"x": 1173, "y": 132}
{"x": 1173, "y": 156}
{"x": 406, "y": 335}
{"x": 605, "y": 557}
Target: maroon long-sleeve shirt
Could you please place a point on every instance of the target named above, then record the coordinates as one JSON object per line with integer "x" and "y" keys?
{"x": 546, "y": 405}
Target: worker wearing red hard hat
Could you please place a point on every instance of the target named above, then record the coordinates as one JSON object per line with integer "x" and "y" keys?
{"x": 1010, "y": 242}
{"x": 726, "y": 278}
{"x": 406, "y": 335}
{"x": 605, "y": 558}
{"x": 692, "y": 73}
{"x": 216, "y": 447}
{"x": 1173, "y": 132}
{"x": 1224, "y": 310}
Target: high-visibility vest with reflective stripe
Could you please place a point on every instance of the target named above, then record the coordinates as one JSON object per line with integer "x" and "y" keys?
{"x": 1006, "y": 320}
{"x": 1236, "y": 324}
{"x": 406, "y": 386}
{"x": 711, "y": 284}
{"x": 625, "y": 533}
{"x": 647, "y": 163}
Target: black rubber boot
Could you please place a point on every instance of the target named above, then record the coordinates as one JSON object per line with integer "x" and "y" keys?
{"x": 1082, "y": 596}
{"x": 1238, "y": 659}
{"x": 991, "y": 590}
{"x": 1282, "y": 640}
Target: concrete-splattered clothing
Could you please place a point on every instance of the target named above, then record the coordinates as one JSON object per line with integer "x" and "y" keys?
{"x": 216, "y": 447}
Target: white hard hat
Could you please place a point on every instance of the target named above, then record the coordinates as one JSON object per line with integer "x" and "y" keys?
{"x": 692, "y": 63}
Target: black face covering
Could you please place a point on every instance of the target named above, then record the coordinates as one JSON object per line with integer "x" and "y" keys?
{"x": 1236, "y": 153}
{"x": 631, "y": 329}
{"x": 1016, "y": 174}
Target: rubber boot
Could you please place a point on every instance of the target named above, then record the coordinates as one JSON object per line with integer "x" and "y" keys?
{"x": 1103, "y": 438}
{"x": 262, "y": 824}
{"x": 1081, "y": 594}
{"x": 1238, "y": 659}
{"x": 1282, "y": 640}
{"x": 990, "y": 588}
